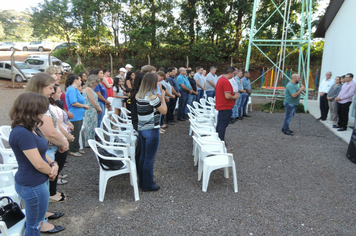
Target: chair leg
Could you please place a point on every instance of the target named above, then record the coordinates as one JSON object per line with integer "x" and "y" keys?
{"x": 102, "y": 186}
{"x": 235, "y": 177}
{"x": 80, "y": 140}
{"x": 206, "y": 176}
{"x": 190, "y": 131}
{"x": 133, "y": 178}
{"x": 226, "y": 172}
{"x": 200, "y": 168}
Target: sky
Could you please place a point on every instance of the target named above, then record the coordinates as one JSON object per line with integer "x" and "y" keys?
{"x": 21, "y": 5}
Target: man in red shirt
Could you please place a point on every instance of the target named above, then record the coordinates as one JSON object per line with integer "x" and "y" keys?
{"x": 224, "y": 101}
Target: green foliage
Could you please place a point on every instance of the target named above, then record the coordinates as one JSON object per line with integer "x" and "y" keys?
{"x": 61, "y": 53}
{"x": 15, "y": 26}
{"x": 78, "y": 68}
{"x": 279, "y": 107}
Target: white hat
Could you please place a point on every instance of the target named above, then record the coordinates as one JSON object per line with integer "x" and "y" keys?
{"x": 128, "y": 66}
{"x": 123, "y": 69}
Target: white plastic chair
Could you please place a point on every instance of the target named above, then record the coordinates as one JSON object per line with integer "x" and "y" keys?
{"x": 212, "y": 161}
{"x": 120, "y": 128}
{"x": 7, "y": 186}
{"x": 8, "y": 156}
{"x": 5, "y": 132}
{"x": 249, "y": 103}
{"x": 16, "y": 230}
{"x": 122, "y": 140}
{"x": 125, "y": 113}
{"x": 105, "y": 175}
{"x": 204, "y": 135}
{"x": 122, "y": 120}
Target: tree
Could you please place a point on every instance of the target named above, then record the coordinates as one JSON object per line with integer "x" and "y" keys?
{"x": 16, "y": 26}
{"x": 54, "y": 18}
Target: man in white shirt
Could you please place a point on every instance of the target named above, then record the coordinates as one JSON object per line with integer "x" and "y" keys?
{"x": 200, "y": 80}
{"x": 324, "y": 88}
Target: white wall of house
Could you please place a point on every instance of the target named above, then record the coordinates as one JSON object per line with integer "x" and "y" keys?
{"x": 339, "y": 54}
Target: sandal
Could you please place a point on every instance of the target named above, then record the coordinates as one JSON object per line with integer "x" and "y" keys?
{"x": 62, "y": 181}
{"x": 162, "y": 131}
{"x": 62, "y": 176}
{"x": 62, "y": 199}
{"x": 81, "y": 151}
{"x": 75, "y": 154}
{"x": 164, "y": 126}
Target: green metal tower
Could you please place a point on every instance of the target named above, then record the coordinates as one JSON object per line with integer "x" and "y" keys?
{"x": 295, "y": 41}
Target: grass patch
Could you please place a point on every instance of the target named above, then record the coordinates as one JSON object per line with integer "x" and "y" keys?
{"x": 279, "y": 107}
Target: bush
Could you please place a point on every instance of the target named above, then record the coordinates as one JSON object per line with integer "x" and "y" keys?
{"x": 279, "y": 107}
{"x": 61, "y": 53}
{"x": 78, "y": 69}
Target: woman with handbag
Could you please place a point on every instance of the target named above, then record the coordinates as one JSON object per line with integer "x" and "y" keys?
{"x": 35, "y": 167}
{"x": 149, "y": 109}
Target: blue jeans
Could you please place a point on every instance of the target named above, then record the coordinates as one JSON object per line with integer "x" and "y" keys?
{"x": 51, "y": 151}
{"x": 36, "y": 203}
{"x": 243, "y": 104}
{"x": 210, "y": 94}
{"x": 199, "y": 95}
{"x": 235, "y": 111}
{"x": 191, "y": 99}
{"x": 101, "y": 115}
{"x": 290, "y": 111}
{"x": 224, "y": 117}
{"x": 182, "y": 104}
{"x": 149, "y": 145}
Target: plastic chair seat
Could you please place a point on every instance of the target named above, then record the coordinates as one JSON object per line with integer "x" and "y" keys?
{"x": 16, "y": 230}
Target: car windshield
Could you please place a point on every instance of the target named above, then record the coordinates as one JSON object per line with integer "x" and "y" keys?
{"x": 22, "y": 65}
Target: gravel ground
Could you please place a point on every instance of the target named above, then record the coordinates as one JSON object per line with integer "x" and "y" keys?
{"x": 300, "y": 185}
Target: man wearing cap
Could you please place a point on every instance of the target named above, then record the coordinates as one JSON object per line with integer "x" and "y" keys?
{"x": 121, "y": 74}
{"x": 128, "y": 67}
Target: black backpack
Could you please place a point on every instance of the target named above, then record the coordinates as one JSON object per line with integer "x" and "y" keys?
{"x": 109, "y": 164}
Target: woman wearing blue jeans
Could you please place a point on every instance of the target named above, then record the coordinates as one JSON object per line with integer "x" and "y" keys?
{"x": 150, "y": 106}
{"x": 35, "y": 167}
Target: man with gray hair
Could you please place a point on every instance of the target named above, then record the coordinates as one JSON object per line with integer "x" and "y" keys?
{"x": 185, "y": 89}
{"x": 324, "y": 87}
{"x": 200, "y": 80}
{"x": 210, "y": 84}
{"x": 291, "y": 101}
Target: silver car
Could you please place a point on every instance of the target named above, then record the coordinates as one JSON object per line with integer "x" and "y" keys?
{"x": 42, "y": 63}
{"x": 38, "y": 46}
{"x": 5, "y": 71}
{"x": 10, "y": 46}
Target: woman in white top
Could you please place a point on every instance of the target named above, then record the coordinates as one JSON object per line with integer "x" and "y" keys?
{"x": 119, "y": 95}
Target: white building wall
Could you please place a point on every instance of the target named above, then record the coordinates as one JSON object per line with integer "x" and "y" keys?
{"x": 339, "y": 54}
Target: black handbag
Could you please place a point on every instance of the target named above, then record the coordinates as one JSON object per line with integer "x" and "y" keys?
{"x": 109, "y": 164}
{"x": 11, "y": 213}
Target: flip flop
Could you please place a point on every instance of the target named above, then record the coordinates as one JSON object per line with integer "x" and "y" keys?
{"x": 63, "y": 198}
{"x": 81, "y": 151}
{"x": 75, "y": 154}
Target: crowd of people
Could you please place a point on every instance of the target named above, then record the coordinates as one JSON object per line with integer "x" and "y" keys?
{"x": 336, "y": 96}
{"x": 52, "y": 119}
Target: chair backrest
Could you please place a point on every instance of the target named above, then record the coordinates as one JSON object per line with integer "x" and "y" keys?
{"x": 110, "y": 99}
{"x": 6, "y": 179}
{"x": 199, "y": 133}
{"x": 211, "y": 100}
{"x": 8, "y": 156}
{"x": 2, "y": 139}
{"x": 119, "y": 119}
{"x": 5, "y": 131}
{"x": 8, "y": 167}
{"x": 125, "y": 113}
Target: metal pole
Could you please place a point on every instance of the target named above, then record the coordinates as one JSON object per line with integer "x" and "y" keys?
{"x": 12, "y": 69}
{"x": 308, "y": 57}
{"x": 111, "y": 64}
{"x": 187, "y": 62}
{"x": 149, "y": 59}
{"x": 251, "y": 35}
{"x": 301, "y": 39}
{"x": 49, "y": 58}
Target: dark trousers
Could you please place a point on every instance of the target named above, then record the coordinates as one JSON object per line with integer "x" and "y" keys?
{"x": 138, "y": 144}
{"x": 182, "y": 104}
{"x": 74, "y": 146}
{"x": 343, "y": 112}
{"x": 60, "y": 158}
{"x": 170, "y": 109}
{"x": 324, "y": 106}
{"x": 224, "y": 117}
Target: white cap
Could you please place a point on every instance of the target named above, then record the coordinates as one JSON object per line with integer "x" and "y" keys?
{"x": 123, "y": 69}
{"x": 128, "y": 66}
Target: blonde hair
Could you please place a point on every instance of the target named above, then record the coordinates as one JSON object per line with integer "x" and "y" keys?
{"x": 38, "y": 82}
{"x": 148, "y": 85}
{"x": 51, "y": 70}
{"x": 148, "y": 69}
{"x": 92, "y": 79}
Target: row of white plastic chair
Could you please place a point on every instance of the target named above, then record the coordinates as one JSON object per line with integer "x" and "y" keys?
{"x": 208, "y": 150}
{"x": 119, "y": 140}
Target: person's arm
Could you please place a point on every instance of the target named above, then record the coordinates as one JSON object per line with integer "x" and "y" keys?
{"x": 301, "y": 89}
{"x": 79, "y": 105}
{"x": 198, "y": 84}
{"x": 228, "y": 96}
{"x": 211, "y": 83}
{"x": 69, "y": 137}
{"x": 163, "y": 108}
{"x": 185, "y": 88}
{"x": 34, "y": 156}
{"x": 102, "y": 98}
{"x": 118, "y": 96}
{"x": 105, "y": 81}
{"x": 170, "y": 95}
{"x": 51, "y": 134}
{"x": 204, "y": 85}
{"x": 128, "y": 84}
{"x": 92, "y": 100}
